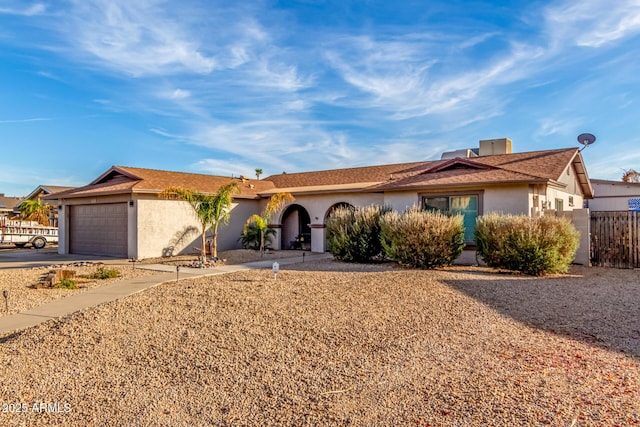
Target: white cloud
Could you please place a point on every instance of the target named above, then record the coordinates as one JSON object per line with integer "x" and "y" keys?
{"x": 24, "y": 10}
{"x": 180, "y": 94}
{"x": 137, "y": 38}
{"x": 592, "y": 23}
{"x": 225, "y": 167}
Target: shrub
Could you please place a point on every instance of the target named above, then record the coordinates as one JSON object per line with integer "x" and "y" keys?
{"x": 422, "y": 239}
{"x": 353, "y": 235}
{"x": 250, "y": 238}
{"x": 533, "y": 246}
{"x": 105, "y": 273}
{"x": 67, "y": 283}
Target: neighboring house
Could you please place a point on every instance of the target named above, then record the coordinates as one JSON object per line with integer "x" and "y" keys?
{"x": 9, "y": 205}
{"x": 614, "y": 196}
{"x": 120, "y": 214}
{"x": 41, "y": 192}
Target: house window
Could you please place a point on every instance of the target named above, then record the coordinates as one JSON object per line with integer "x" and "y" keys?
{"x": 559, "y": 205}
{"x": 570, "y": 200}
{"x": 465, "y": 205}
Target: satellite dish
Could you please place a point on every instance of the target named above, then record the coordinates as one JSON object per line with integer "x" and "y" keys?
{"x": 586, "y": 139}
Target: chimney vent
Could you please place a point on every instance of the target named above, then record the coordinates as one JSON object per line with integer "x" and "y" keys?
{"x": 489, "y": 147}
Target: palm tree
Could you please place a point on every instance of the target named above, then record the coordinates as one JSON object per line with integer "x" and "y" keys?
{"x": 35, "y": 210}
{"x": 258, "y": 173}
{"x": 276, "y": 202}
{"x": 631, "y": 175}
{"x": 221, "y": 205}
{"x": 211, "y": 210}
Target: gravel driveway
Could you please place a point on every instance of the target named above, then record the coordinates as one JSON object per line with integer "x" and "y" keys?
{"x": 336, "y": 344}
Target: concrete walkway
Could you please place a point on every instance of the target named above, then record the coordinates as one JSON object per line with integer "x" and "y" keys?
{"x": 124, "y": 288}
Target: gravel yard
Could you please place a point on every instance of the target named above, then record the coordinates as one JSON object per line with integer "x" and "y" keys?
{"x": 22, "y": 296}
{"x": 336, "y": 344}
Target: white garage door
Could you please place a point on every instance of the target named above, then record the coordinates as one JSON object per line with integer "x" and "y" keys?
{"x": 99, "y": 229}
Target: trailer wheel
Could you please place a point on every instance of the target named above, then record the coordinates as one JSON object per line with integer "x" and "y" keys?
{"x": 39, "y": 243}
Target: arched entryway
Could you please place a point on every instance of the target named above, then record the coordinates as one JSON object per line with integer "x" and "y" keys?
{"x": 295, "y": 232}
{"x": 328, "y": 214}
{"x": 336, "y": 206}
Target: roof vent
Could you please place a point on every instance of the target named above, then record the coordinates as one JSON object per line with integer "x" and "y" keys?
{"x": 464, "y": 153}
{"x": 490, "y": 147}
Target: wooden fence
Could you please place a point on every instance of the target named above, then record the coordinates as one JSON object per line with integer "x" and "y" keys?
{"x": 615, "y": 239}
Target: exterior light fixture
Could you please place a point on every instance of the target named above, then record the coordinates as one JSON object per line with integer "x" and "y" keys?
{"x": 275, "y": 268}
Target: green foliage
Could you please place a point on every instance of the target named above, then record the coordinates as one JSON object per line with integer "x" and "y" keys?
{"x": 353, "y": 235}
{"x": 261, "y": 222}
{"x": 250, "y": 238}
{"x": 67, "y": 283}
{"x": 35, "y": 210}
{"x": 105, "y": 273}
{"x": 212, "y": 210}
{"x": 533, "y": 246}
{"x": 422, "y": 239}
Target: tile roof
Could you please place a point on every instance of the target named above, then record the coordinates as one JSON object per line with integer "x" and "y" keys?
{"x": 125, "y": 180}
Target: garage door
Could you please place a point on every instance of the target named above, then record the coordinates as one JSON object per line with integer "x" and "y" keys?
{"x": 99, "y": 229}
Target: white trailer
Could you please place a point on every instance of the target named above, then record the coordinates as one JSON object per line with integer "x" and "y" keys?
{"x": 21, "y": 233}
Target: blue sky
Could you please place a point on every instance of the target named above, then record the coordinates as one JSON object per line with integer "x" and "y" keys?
{"x": 225, "y": 87}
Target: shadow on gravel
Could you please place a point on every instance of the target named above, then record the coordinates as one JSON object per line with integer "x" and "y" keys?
{"x": 600, "y": 307}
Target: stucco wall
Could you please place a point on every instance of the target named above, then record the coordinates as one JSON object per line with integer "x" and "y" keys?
{"x": 512, "y": 199}
{"x": 317, "y": 206}
{"x": 167, "y": 227}
{"x": 402, "y": 200}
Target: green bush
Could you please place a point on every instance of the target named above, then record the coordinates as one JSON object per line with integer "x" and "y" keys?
{"x": 250, "y": 238}
{"x": 353, "y": 235}
{"x": 422, "y": 239}
{"x": 533, "y": 246}
{"x": 67, "y": 284}
{"x": 105, "y": 273}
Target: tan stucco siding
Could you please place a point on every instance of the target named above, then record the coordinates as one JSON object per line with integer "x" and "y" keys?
{"x": 318, "y": 204}
{"x": 171, "y": 227}
{"x": 402, "y": 200}
{"x": 512, "y": 199}
{"x": 165, "y": 227}
{"x": 554, "y": 193}
{"x": 229, "y": 234}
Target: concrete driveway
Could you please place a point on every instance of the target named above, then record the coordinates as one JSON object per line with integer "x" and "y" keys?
{"x": 11, "y": 257}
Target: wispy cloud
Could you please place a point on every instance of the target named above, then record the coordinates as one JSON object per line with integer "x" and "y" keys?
{"x": 35, "y": 119}
{"x": 592, "y": 23}
{"x": 227, "y": 167}
{"x": 137, "y": 38}
{"x": 20, "y": 8}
